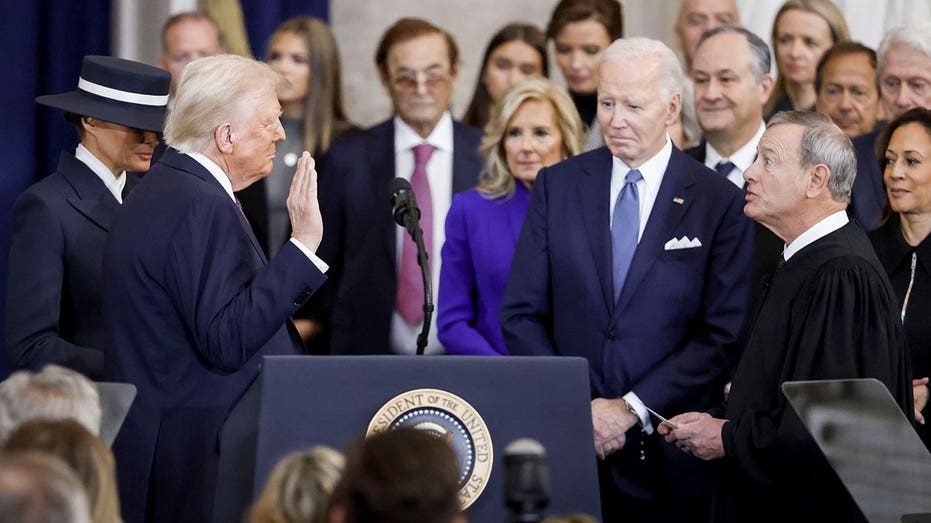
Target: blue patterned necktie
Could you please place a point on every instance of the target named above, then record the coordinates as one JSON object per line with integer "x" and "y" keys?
{"x": 724, "y": 167}
{"x": 625, "y": 228}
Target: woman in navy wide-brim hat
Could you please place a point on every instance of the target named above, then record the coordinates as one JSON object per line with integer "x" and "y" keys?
{"x": 53, "y": 310}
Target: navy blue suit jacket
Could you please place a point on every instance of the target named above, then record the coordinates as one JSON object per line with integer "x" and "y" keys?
{"x": 190, "y": 307}
{"x": 868, "y": 194}
{"x": 669, "y": 336}
{"x": 53, "y": 312}
{"x": 359, "y": 238}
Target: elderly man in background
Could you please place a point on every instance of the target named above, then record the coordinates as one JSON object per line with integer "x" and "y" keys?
{"x": 697, "y": 17}
{"x": 634, "y": 256}
{"x": 54, "y": 393}
{"x": 376, "y": 292}
{"x": 904, "y": 82}
{"x": 829, "y": 313}
{"x": 192, "y": 304}
{"x": 186, "y": 37}
{"x": 848, "y": 88}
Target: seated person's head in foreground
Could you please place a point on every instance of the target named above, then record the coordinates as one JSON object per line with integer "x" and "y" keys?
{"x": 299, "y": 487}
{"x": 400, "y": 476}
{"x": 38, "y": 488}
{"x": 87, "y": 455}
{"x": 54, "y": 393}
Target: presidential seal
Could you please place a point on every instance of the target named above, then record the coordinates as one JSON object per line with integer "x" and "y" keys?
{"x": 450, "y": 418}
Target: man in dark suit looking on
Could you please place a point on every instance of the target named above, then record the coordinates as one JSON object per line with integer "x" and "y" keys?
{"x": 634, "y": 256}
{"x": 191, "y": 304}
{"x": 829, "y": 313}
{"x": 376, "y": 283}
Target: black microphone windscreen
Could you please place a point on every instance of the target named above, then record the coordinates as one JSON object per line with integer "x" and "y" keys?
{"x": 526, "y": 480}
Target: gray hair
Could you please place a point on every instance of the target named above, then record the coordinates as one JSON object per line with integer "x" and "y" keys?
{"x": 53, "y": 393}
{"x": 823, "y": 143}
{"x": 760, "y": 58}
{"x": 39, "y": 488}
{"x": 917, "y": 37}
{"x": 640, "y": 48}
{"x": 210, "y": 92}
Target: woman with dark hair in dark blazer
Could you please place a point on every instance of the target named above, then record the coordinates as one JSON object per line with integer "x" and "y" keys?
{"x": 53, "y": 312}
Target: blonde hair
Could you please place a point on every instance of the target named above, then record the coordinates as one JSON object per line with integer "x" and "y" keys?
{"x": 211, "y": 91}
{"x": 85, "y": 453}
{"x": 496, "y": 179}
{"x": 324, "y": 117}
{"x": 299, "y": 488}
{"x": 827, "y": 11}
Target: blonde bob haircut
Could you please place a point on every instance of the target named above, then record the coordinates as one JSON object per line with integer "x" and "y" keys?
{"x": 214, "y": 90}
{"x": 496, "y": 180}
{"x": 298, "y": 489}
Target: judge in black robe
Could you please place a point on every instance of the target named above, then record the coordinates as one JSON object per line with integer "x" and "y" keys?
{"x": 829, "y": 312}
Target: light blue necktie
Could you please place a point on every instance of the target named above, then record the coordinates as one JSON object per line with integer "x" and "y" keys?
{"x": 625, "y": 227}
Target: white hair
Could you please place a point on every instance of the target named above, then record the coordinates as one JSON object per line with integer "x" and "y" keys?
{"x": 639, "y": 48}
{"x": 213, "y": 90}
{"x": 916, "y": 37}
{"x": 54, "y": 393}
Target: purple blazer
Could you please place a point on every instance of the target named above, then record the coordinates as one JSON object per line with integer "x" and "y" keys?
{"x": 480, "y": 238}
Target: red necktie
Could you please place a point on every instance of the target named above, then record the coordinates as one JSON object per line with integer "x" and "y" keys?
{"x": 410, "y": 279}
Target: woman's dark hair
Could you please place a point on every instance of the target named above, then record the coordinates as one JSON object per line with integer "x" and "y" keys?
{"x": 480, "y": 107}
{"x": 918, "y": 115}
{"x": 606, "y": 12}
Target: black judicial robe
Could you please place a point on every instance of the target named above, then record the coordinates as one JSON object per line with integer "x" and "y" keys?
{"x": 829, "y": 313}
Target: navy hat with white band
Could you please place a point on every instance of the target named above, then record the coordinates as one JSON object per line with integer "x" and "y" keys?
{"x": 118, "y": 91}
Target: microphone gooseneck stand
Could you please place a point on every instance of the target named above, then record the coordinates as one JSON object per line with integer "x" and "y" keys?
{"x": 412, "y": 224}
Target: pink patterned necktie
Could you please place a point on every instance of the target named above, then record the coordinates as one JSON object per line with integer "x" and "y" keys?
{"x": 410, "y": 279}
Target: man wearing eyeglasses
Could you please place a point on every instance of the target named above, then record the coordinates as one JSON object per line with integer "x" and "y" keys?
{"x": 904, "y": 69}
{"x": 375, "y": 295}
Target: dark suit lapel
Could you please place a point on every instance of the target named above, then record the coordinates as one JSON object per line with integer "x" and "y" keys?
{"x": 666, "y": 214}
{"x": 594, "y": 190}
{"x": 189, "y": 165}
{"x": 466, "y": 161}
{"x": 92, "y": 198}
{"x": 382, "y": 169}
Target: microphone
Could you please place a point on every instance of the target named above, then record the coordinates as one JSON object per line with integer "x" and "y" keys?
{"x": 526, "y": 480}
{"x": 403, "y": 203}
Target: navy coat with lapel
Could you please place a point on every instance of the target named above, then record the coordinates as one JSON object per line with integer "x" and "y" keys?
{"x": 359, "y": 233}
{"x": 191, "y": 307}
{"x": 53, "y": 312}
{"x": 670, "y": 335}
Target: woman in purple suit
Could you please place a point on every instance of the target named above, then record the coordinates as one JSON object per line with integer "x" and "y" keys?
{"x": 533, "y": 126}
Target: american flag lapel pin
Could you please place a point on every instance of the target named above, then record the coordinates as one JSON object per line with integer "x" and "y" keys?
{"x": 678, "y": 200}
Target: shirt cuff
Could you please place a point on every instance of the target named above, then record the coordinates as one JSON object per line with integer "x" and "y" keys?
{"x": 641, "y": 411}
{"x": 320, "y": 264}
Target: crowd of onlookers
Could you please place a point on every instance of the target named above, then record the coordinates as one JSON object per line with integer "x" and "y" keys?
{"x": 219, "y": 301}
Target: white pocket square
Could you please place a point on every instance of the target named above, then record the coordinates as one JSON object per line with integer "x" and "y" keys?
{"x": 682, "y": 243}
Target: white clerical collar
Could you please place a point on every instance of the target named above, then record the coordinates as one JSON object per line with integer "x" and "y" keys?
{"x": 441, "y": 137}
{"x": 215, "y": 170}
{"x": 816, "y": 232}
{"x": 653, "y": 169}
{"x": 113, "y": 183}
{"x": 742, "y": 158}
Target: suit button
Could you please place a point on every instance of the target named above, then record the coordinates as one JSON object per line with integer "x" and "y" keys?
{"x": 610, "y": 336}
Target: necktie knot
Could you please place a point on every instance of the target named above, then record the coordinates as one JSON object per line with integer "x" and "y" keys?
{"x": 422, "y": 154}
{"x": 633, "y": 176}
{"x": 724, "y": 167}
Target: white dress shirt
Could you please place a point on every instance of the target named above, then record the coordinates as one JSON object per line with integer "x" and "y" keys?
{"x": 742, "y": 158}
{"x": 816, "y": 232}
{"x": 224, "y": 181}
{"x": 440, "y": 176}
{"x": 114, "y": 184}
{"x": 652, "y": 171}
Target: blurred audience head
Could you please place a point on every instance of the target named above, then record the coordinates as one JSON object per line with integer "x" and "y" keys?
{"x": 418, "y": 63}
{"x": 85, "y": 453}
{"x": 188, "y": 36}
{"x": 400, "y": 476}
{"x": 698, "y": 16}
{"x": 581, "y": 31}
{"x": 732, "y": 84}
{"x": 515, "y": 53}
{"x": 904, "y": 67}
{"x": 847, "y": 87}
{"x": 533, "y": 126}
{"x": 39, "y": 488}
{"x": 303, "y": 50}
{"x": 299, "y": 487}
{"x": 571, "y": 518}
{"x": 54, "y": 393}
{"x": 639, "y": 97}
